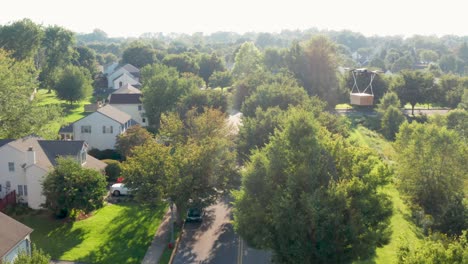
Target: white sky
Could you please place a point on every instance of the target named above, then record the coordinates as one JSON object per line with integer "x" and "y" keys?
{"x": 134, "y": 17}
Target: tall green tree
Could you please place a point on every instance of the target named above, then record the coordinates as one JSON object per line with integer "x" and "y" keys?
{"x": 20, "y": 113}
{"x": 184, "y": 62}
{"x": 162, "y": 88}
{"x": 195, "y": 165}
{"x": 248, "y": 61}
{"x": 133, "y": 137}
{"x": 414, "y": 87}
{"x": 70, "y": 187}
{"x": 210, "y": 64}
{"x": 431, "y": 165}
{"x": 392, "y": 118}
{"x": 22, "y": 38}
{"x": 220, "y": 79}
{"x": 73, "y": 84}
{"x": 58, "y": 51}
{"x": 315, "y": 66}
{"x": 312, "y": 198}
{"x": 86, "y": 57}
{"x": 139, "y": 55}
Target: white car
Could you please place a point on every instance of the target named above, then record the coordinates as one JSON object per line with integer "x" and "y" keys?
{"x": 119, "y": 189}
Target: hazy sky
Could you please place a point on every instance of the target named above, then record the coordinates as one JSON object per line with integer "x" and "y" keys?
{"x": 134, "y": 17}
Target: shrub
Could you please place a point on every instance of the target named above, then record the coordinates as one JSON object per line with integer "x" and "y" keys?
{"x": 112, "y": 170}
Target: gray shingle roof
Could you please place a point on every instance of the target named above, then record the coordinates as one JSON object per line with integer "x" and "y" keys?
{"x": 127, "y": 89}
{"x": 11, "y": 233}
{"x": 132, "y": 69}
{"x": 66, "y": 129}
{"x": 125, "y": 99}
{"x": 62, "y": 148}
{"x": 114, "y": 114}
{"x": 5, "y": 141}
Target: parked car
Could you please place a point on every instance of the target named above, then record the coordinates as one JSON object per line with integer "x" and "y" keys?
{"x": 118, "y": 189}
{"x": 195, "y": 214}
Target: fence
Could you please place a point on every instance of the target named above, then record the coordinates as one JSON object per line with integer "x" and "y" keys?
{"x": 7, "y": 200}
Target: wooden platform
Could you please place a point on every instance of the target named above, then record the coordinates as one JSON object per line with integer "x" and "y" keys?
{"x": 361, "y": 99}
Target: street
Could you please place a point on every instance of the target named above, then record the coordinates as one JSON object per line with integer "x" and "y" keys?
{"x": 214, "y": 241}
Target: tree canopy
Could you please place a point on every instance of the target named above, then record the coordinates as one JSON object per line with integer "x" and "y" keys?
{"x": 73, "y": 84}
{"x": 311, "y": 198}
{"x": 139, "y": 55}
{"x": 70, "y": 187}
{"x": 133, "y": 137}
{"x": 414, "y": 87}
{"x": 22, "y": 38}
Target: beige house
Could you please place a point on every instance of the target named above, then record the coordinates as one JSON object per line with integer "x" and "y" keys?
{"x": 14, "y": 238}
{"x": 128, "y": 100}
{"x": 24, "y": 163}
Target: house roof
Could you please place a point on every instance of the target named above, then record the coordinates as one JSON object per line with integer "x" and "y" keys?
{"x": 127, "y": 89}
{"x": 63, "y": 148}
{"x": 48, "y": 150}
{"x": 114, "y": 114}
{"x": 131, "y": 75}
{"x": 11, "y": 233}
{"x": 5, "y": 141}
{"x": 66, "y": 129}
{"x": 131, "y": 69}
{"x": 125, "y": 99}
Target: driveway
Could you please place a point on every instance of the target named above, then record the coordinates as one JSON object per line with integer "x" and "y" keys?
{"x": 214, "y": 241}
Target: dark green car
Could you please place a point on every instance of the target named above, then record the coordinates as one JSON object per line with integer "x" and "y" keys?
{"x": 195, "y": 214}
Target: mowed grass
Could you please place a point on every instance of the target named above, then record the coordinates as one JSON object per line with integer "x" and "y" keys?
{"x": 116, "y": 233}
{"x": 71, "y": 112}
{"x": 403, "y": 229}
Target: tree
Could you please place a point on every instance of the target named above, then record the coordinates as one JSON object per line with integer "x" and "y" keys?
{"x": 402, "y": 63}
{"x": 22, "y": 38}
{"x": 70, "y": 187}
{"x": 113, "y": 170}
{"x": 220, "y": 79}
{"x": 248, "y": 61}
{"x": 413, "y": 87}
{"x": 435, "y": 249}
{"x": 210, "y": 64}
{"x": 202, "y": 99}
{"x": 428, "y": 55}
{"x": 162, "y": 88}
{"x": 37, "y": 256}
{"x": 134, "y": 136}
{"x": 311, "y": 197}
{"x": 378, "y": 63}
{"x": 271, "y": 95}
{"x": 74, "y": 84}
{"x": 184, "y": 62}
{"x": 389, "y": 99}
{"x": 139, "y": 55}
{"x": 315, "y": 66}
{"x": 274, "y": 59}
{"x": 431, "y": 163}
{"x": 192, "y": 165}
{"x": 451, "y": 89}
{"x": 391, "y": 120}
{"x": 58, "y": 50}
{"x": 86, "y": 58}
{"x": 19, "y": 115}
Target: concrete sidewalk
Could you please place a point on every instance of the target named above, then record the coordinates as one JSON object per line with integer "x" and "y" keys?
{"x": 160, "y": 241}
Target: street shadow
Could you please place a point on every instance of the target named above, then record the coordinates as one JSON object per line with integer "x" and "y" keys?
{"x": 225, "y": 247}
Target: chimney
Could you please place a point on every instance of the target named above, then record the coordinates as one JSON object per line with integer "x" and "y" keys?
{"x": 31, "y": 156}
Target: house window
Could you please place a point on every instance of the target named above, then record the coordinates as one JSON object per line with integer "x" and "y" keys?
{"x": 107, "y": 130}
{"x": 0, "y": 188}
{"x": 86, "y": 129}
{"x": 22, "y": 190}
{"x": 11, "y": 166}
{"x": 143, "y": 120}
{"x": 139, "y": 108}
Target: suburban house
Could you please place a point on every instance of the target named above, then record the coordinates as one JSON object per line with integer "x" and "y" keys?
{"x": 127, "y": 74}
{"x": 110, "y": 68}
{"x": 128, "y": 99}
{"x": 14, "y": 238}
{"x": 24, "y": 163}
{"x": 99, "y": 129}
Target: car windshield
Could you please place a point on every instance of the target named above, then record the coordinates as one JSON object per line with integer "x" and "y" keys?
{"x": 194, "y": 212}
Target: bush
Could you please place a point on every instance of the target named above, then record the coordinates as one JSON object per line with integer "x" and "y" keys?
{"x": 112, "y": 170}
{"x": 105, "y": 154}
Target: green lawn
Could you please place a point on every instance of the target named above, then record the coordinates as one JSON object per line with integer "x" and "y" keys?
{"x": 117, "y": 233}
{"x": 403, "y": 229}
{"x": 166, "y": 255}
{"x": 71, "y": 112}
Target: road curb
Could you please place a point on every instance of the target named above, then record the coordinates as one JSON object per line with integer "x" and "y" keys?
{"x": 177, "y": 242}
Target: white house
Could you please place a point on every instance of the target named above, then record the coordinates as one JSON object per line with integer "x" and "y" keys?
{"x": 109, "y": 68}
{"x": 127, "y": 74}
{"x": 14, "y": 238}
{"x": 100, "y": 128}
{"x": 128, "y": 99}
{"x": 24, "y": 163}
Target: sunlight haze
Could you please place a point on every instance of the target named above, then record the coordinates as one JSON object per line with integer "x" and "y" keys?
{"x": 132, "y": 18}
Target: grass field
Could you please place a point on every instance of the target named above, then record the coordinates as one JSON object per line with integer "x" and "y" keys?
{"x": 116, "y": 233}
{"x": 403, "y": 229}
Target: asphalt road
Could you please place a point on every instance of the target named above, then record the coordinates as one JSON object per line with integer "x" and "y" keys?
{"x": 213, "y": 241}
